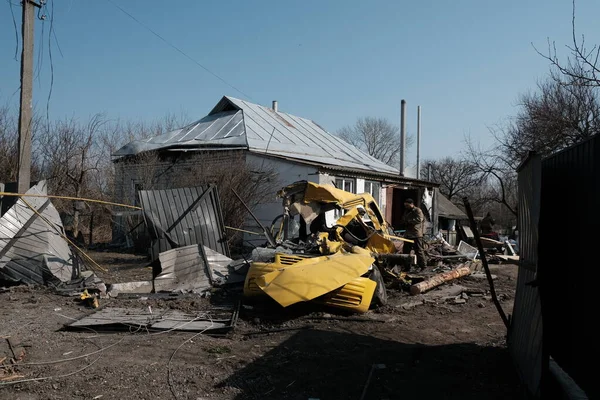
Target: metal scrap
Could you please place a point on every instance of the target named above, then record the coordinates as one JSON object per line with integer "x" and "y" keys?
{"x": 31, "y": 251}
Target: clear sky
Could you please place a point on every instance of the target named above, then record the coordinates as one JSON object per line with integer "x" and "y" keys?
{"x": 464, "y": 62}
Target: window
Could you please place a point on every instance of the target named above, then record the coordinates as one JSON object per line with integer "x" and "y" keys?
{"x": 373, "y": 188}
{"x": 346, "y": 184}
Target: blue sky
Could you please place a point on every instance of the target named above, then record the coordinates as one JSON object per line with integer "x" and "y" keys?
{"x": 464, "y": 62}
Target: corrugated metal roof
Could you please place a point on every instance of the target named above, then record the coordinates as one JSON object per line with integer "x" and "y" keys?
{"x": 182, "y": 217}
{"x": 30, "y": 250}
{"x": 235, "y": 122}
{"x": 449, "y": 210}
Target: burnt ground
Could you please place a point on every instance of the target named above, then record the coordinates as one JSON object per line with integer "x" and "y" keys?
{"x": 431, "y": 351}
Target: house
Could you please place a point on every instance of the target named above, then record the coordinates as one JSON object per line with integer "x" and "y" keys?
{"x": 294, "y": 148}
{"x": 448, "y": 216}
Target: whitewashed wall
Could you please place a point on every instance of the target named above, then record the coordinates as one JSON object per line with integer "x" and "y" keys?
{"x": 287, "y": 173}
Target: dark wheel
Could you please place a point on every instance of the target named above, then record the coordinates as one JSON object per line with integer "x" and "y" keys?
{"x": 380, "y": 295}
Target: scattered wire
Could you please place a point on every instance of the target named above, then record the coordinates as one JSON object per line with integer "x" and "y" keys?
{"x": 179, "y": 50}
{"x": 75, "y": 358}
{"x": 45, "y": 378}
{"x": 173, "y": 355}
{"x": 16, "y": 30}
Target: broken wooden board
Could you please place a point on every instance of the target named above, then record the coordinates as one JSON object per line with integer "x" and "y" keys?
{"x": 507, "y": 258}
{"x": 488, "y": 243}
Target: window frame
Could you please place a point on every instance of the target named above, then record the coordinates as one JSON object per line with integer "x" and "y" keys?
{"x": 345, "y": 180}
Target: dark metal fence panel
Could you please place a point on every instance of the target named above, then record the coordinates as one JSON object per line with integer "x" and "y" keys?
{"x": 525, "y": 334}
{"x": 182, "y": 217}
{"x": 568, "y": 272}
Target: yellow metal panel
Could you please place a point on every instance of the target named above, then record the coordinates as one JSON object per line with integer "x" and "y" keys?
{"x": 257, "y": 269}
{"x": 379, "y": 244}
{"x": 260, "y": 268}
{"x": 326, "y": 194}
{"x": 313, "y": 277}
{"x": 356, "y": 295}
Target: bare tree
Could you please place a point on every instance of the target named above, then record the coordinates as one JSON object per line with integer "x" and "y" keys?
{"x": 70, "y": 156}
{"x": 9, "y": 140}
{"x": 455, "y": 176}
{"x": 554, "y": 117}
{"x": 8, "y": 145}
{"x": 255, "y": 182}
{"x": 497, "y": 174}
{"x": 377, "y": 136}
{"x": 582, "y": 65}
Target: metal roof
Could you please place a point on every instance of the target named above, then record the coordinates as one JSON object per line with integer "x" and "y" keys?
{"x": 238, "y": 123}
{"x": 447, "y": 209}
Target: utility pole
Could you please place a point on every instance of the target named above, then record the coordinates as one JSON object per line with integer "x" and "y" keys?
{"x": 25, "y": 110}
{"x": 402, "y": 135}
{"x": 418, "y": 142}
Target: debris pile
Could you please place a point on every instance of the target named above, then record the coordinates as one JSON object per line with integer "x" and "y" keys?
{"x": 33, "y": 246}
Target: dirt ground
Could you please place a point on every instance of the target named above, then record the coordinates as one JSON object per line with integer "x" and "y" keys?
{"x": 430, "y": 351}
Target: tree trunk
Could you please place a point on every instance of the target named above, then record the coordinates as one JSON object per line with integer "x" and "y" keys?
{"x": 437, "y": 280}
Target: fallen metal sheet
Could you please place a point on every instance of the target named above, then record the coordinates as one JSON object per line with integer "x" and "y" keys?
{"x": 183, "y": 269}
{"x": 219, "y": 268}
{"x": 182, "y": 217}
{"x": 30, "y": 250}
{"x": 218, "y": 319}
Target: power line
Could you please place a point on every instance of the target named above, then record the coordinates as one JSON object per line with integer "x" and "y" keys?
{"x": 179, "y": 50}
{"x": 51, "y": 63}
{"x": 16, "y": 30}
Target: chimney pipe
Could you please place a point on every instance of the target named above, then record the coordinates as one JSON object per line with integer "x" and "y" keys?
{"x": 275, "y": 105}
{"x": 418, "y": 142}
{"x": 402, "y": 135}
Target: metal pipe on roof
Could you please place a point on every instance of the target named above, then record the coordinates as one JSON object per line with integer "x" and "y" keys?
{"x": 418, "y": 142}
{"x": 402, "y": 135}
{"x": 275, "y": 105}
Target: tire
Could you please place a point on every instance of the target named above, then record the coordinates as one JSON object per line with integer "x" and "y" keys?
{"x": 380, "y": 295}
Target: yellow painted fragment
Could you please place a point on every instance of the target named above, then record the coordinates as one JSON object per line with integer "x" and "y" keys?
{"x": 380, "y": 244}
{"x": 356, "y": 295}
{"x": 313, "y": 277}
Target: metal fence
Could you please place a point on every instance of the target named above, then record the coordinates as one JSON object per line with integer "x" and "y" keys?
{"x": 555, "y": 305}
{"x": 525, "y": 334}
{"x": 182, "y": 217}
{"x": 568, "y": 273}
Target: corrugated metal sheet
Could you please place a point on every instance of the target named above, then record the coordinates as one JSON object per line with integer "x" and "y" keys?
{"x": 217, "y": 319}
{"x": 183, "y": 217}
{"x": 218, "y": 266}
{"x": 567, "y": 272}
{"x": 30, "y": 250}
{"x": 447, "y": 209}
{"x": 184, "y": 268}
{"x": 525, "y": 335}
{"x": 235, "y": 122}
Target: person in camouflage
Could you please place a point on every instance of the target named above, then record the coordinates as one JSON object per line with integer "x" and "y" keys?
{"x": 414, "y": 221}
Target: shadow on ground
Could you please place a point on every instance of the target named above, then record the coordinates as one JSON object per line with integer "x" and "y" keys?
{"x": 333, "y": 365}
